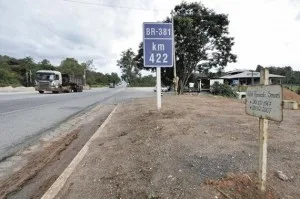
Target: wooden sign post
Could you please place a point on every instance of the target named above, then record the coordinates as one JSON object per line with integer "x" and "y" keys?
{"x": 263, "y": 138}
{"x": 265, "y": 102}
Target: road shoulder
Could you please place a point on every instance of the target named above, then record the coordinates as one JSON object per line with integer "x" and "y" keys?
{"x": 184, "y": 151}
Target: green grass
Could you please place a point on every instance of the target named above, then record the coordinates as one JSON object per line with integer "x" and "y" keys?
{"x": 294, "y": 88}
{"x": 240, "y": 88}
{"x": 98, "y": 86}
{"x": 12, "y": 85}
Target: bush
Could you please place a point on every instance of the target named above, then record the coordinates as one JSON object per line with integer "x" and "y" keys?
{"x": 8, "y": 78}
{"x": 223, "y": 90}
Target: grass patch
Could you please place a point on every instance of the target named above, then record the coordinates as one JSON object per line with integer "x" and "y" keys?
{"x": 12, "y": 85}
{"x": 292, "y": 87}
{"x": 98, "y": 86}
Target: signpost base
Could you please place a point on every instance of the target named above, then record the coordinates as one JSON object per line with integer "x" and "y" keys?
{"x": 158, "y": 88}
{"x": 263, "y": 138}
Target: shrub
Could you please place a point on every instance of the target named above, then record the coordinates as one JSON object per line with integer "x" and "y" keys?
{"x": 8, "y": 78}
{"x": 223, "y": 90}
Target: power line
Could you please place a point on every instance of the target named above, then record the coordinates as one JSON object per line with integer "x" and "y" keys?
{"x": 113, "y": 6}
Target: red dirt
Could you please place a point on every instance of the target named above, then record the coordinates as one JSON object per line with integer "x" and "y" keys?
{"x": 239, "y": 186}
{"x": 290, "y": 95}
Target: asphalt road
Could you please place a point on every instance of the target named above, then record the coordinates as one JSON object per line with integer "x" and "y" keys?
{"x": 25, "y": 116}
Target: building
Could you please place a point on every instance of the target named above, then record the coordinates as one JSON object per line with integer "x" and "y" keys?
{"x": 238, "y": 78}
{"x": 246, "y": 77}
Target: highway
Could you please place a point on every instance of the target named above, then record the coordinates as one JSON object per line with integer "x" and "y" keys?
{"x": 25, "y": 116}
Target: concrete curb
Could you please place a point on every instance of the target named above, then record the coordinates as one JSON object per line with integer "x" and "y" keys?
{"x": 62, "y": 179}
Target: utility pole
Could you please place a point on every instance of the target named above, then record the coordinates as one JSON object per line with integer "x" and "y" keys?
{"x": 175, "y": 80}
{"x": 30, "y": 77}
{"x": 84, "y": 77}
{"x": 26, "y": 75}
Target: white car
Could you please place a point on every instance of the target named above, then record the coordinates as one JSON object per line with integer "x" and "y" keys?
{"x": 163, "y": 89}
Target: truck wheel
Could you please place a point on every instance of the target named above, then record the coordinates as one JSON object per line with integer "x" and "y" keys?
{"x": 41, "y": 92}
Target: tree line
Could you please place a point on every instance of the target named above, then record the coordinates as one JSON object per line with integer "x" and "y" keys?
{"x": 22, "y": 72}
{"x": 291, "y": 76}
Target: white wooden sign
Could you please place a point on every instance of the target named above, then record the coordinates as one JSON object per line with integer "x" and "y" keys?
{"x": 265, "y": 102}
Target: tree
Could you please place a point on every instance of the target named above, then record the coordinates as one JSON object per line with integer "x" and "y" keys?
{"x": 88, "y": 65}
{"x": 71, "y": 66}
{"x": 202, "y": 41}
{"x": 45, "y": 65}
{"x": 115, "y": 78}
{"x": 127, "y": 63}
{"x": 258, "y": 68}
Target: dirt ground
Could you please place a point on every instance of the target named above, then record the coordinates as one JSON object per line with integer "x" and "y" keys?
{"x": 290, "y": 95}
{"x": 196, "y": 147}
{"x": 41, "y": 165}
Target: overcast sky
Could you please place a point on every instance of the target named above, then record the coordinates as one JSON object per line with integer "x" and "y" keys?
{"x": 266, "y": 32}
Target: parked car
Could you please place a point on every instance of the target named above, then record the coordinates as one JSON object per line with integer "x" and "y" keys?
{"x": 111, "y": 85}
{"x": 163, "y": 88}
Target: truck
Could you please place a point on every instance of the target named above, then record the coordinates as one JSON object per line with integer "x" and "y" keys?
{"x": 56, "y": 82}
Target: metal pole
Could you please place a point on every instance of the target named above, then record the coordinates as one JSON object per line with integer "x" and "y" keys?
{"x": 174, "y": 58}
{"x": 158, "y": 88}
{"x": 263, "y": 137}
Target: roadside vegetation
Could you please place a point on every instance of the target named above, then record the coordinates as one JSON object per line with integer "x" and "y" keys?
{"x": 223, "y": 90}
{"x": 131, "y": 73}
{"x": 293, "y": 87}
{"x": 21, "y": 72}
{"x": 146, "y": 81}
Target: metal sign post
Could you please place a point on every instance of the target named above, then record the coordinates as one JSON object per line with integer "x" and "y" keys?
{"x": 265, "y": 102}
{"x": 158, "y": 87}
{"x": 158, "y": 50}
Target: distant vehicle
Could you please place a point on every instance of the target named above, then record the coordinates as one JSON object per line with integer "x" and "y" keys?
{"x": 54, "y": 81}
{"x": 163, "y": 88}
{"x": 111, "y": 85}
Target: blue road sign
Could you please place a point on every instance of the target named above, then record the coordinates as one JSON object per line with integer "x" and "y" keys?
{"x": 158, "y": 44}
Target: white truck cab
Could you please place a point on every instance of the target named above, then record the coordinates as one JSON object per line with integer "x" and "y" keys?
{"x": 48, "y": 80}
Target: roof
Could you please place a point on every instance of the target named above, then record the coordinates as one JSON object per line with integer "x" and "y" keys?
{"x": 249, "y": 74}
{"x": 48, "y": 71}
{"x": 237, "y": 71}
